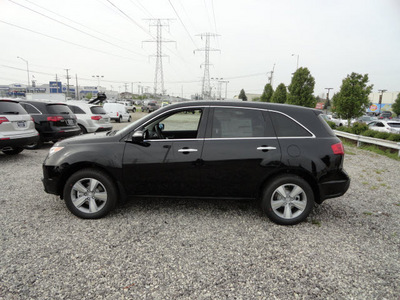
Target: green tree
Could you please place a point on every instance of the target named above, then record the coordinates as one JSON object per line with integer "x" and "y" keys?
{"x": 267, "y": 94}
{"x": 88, "y": 96}
{"x": 280, "y": 94}
{"x": 301, "y": 89}
{"x": 256, "y": 99}
{"x": 396, "y": 105}
{"x": 242, "y": 95}
{"x": 352, "y": 99}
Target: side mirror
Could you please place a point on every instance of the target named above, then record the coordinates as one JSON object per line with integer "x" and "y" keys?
{"x": 138, "y": 137}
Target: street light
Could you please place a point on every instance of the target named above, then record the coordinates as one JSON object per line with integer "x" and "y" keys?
{"x": 27, "y": 69}
{"x": 98, "y": 81}
{"x": 297, "y": 66}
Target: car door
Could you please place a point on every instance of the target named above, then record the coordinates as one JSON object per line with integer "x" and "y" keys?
{"x": 167, "y": 165}
{"x": 240, "y": 151}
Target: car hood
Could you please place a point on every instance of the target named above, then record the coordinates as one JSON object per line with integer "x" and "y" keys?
{"x": 86, "y": 139}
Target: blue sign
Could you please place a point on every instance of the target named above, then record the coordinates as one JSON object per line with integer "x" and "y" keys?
{"x": 55, "y": 87}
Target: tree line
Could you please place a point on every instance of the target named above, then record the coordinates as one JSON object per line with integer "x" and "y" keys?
{"x": 350, "y": 102}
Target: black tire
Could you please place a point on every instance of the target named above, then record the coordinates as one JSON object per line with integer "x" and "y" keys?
{"x": 292, "y": 208}
{"x": 119, "y": 120}
{"x": 134, "y": 109}
{"x": 130, "y": 119}
{"x": 13, "y": 151}
{"x": 83, "y": 129}
{"x": 101, "y": 199}
{"x": 36, "y": 145}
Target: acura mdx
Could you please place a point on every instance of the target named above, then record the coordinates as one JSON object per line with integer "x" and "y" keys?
{"x": 285, "y": 156}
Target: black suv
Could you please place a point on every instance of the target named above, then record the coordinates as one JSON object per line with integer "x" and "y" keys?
{"x": 53, "y": 121}
{"x": 285, "y": 156}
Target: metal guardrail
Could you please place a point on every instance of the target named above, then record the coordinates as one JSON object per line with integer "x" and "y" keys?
{"x": 368, "y": 140}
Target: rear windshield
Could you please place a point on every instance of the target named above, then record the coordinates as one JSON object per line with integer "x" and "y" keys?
{"x": 97, "y": 110}
{"x": 151, "y": 104}
{"x": 58, "y": 109}
{"x": 11, "y": 108}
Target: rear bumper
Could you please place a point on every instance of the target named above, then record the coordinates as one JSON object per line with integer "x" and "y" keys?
{"x": 19, "y": 142}
{"x": 61, "y": 134}
{"x": 334, "y": 187}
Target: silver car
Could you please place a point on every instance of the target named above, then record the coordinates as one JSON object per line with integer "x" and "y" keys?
{"x": 90, "y": 117}
{"x": 17, "y": 128}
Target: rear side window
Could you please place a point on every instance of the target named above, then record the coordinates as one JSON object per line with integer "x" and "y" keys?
{"x": 97, "y": 110}
{"x": 11, "y": 108}
{"x": 238, "y": 123}
{"x": 286, "y": 127}
{"x": 77, "y": 110}
{"x": 31, "y": 109}
{"x": 58, "y": 109}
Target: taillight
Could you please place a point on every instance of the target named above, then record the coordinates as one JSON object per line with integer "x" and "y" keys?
{"x": 3, "y": 120}
{"x": 117, "y": 114}
{"x": 96, "y": 118}
{"x": 55, "y": 118}
{"x": 338, "y": 148}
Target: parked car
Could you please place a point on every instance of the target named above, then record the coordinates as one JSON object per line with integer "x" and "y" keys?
{"x": 385, "y": 126}
{"x": 17, "y": 128}
{"x": 129, "y": 105}
{"x": 117, "y": 112}
{"x": 366, "y": 119}
{"x": 150, "y": 107}
{"x": 53, "y": 121}
{"x": 90, "y": 118}
{"x": 339, "y": 121}
{"x": 286, "y": 156}
{"x": 385, "y": 115}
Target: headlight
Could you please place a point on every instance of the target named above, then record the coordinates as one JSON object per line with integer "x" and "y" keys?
{"x": 54, "y": 150}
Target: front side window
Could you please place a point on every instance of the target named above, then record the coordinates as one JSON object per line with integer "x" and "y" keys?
{"x": 237, "y": 123}
{"x": 182, "y": 124}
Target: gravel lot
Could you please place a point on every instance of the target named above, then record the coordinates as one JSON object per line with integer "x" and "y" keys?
{"x": 185, "y": 249}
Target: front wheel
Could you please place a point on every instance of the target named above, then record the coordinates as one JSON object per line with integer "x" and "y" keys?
{"x": 287, "y": 200}
{"x": 90, "y": 194}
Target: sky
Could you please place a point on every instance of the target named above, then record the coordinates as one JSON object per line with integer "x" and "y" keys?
{"x": 116, "y": 40}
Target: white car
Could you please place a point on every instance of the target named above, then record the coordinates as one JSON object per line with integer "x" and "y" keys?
{"x": 90, "y": 117}
{"x": 17, "y": 128}
{"x": 129, "y": 106}
{"x": 385, "y": 126}
{"x": 117, "y": 112}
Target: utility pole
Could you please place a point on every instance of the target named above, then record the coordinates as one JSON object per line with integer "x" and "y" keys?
{"x": 226, "y": 87}
{"x": 327, "y": 99}
{"x": 159, "y": 75}
{"x": 68, "y": 78}
{"x": 380, "y": 99}
{"x": 206, "y": 86}
{"x": 77, "y": 88}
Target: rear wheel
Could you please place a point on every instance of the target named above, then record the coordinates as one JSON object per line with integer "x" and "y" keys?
{"x": 288, "y": 200}
{"x": 90, "y": 194}
{"x": 13, "y": 151}
{"x": 83, "y": 129}
{"x": 119, "y": 120}
{"x": 35, "y": 145}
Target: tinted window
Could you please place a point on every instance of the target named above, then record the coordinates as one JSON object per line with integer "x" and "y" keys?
{"x": 58, "y": 109}
{"x": 76, "y": 110}
{"x": 11, "y": 108}
{"x": 286, "y": 127}
{"x": 31, "y": 109}
{"x": 236, "y": 122}
{"x": 97, "y": 110}
{"x": 396, "y": 125}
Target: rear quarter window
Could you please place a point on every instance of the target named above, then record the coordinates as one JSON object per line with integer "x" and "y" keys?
{"x": 287, "y": 127}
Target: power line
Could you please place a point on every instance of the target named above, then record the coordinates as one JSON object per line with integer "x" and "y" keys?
{"x": 187, "y": 31}
{"x": 88, "y": 34}
{"x": 65, "y": 41}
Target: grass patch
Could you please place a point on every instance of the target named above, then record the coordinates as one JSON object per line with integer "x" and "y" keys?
{"x": 316, "y": 222}
{"x": 367, "y": 213}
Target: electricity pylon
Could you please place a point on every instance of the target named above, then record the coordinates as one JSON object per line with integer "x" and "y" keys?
{"x": 159, "y": 75}
{"x": 206, "y": 87}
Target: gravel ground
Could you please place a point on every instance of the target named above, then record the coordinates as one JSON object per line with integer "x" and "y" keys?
{"x": 187, "y": 249}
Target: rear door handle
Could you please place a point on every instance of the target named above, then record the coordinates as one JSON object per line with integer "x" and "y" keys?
{"x": 187, "y": 150}
{"x": 266, "y": 148}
